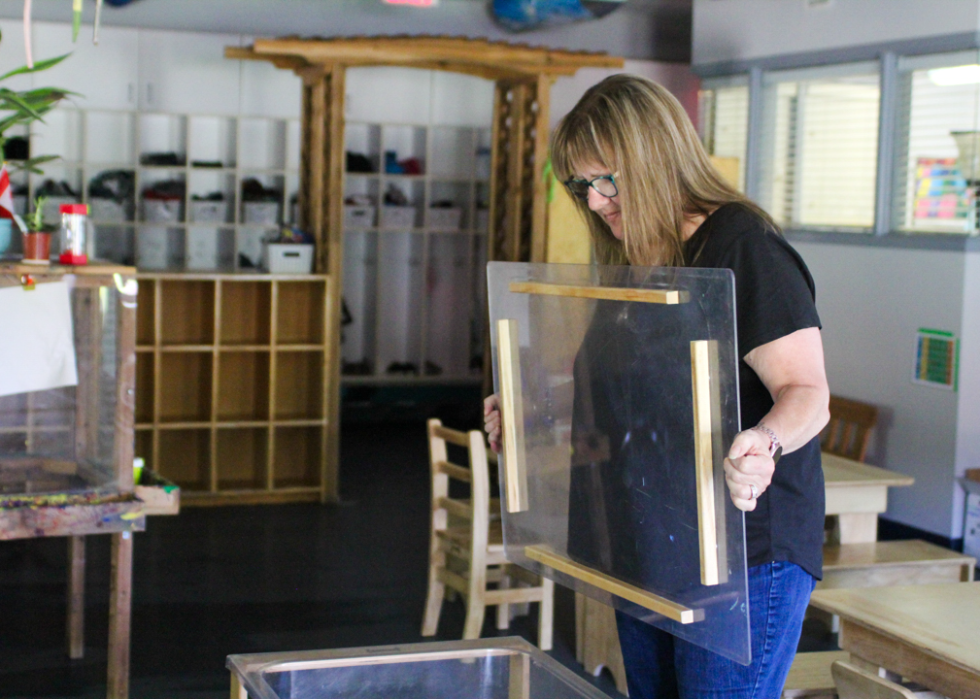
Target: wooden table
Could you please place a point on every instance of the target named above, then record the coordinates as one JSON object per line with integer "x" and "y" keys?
{"x": 856, "y": 493}
{"x": 929, "y": 634}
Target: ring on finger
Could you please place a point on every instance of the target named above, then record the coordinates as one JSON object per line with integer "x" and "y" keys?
{"x": 755, "y": 491}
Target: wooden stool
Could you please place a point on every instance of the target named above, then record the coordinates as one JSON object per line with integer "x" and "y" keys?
{"x": 474, "y": 539}
{"x": 855, "y": 683}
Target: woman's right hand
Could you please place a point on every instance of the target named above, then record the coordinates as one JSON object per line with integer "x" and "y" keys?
{"x": 491, "y": 421}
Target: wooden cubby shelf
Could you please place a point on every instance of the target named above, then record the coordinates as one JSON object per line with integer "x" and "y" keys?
{"x": 231, "y": 384}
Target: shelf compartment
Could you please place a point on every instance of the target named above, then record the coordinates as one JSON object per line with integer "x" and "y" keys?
{"x": 448, "y": 321}
{"x": 163, "y": 133}
{"x": 399, "y": 303}
{"x": 144, "y": 387}
{"x": 110, "y": 138}
{"x": 115, "y": 244}
{"x": 249, "y": 244}
{"x": 243, "y": 386}
{"x": 298, "y": 455}
{"x": 453, "y": 152}
{"x": 246, "y": 313}
{"x": 360, "y": 286}
{"x": 185, "y": 458}
{"x": 299, "y": 385}
{"x": 13, "y": 444}
{"x": 146, "y": 312}
{"x": 185, "y": 394}
{"x": 266, "y": 139}
{"x": 210, "y": 248}
{"x": 159, "y": 248}
{"x": 59, "y": 134}
{"x": 187, "y": 312}
{"x": 212, "y": 140}
{"x": 143, "y": 447}
{"x": 242, "y": 456}
{"x": 300, "y": 312}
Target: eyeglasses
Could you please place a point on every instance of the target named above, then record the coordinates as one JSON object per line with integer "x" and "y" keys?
{"x": 603, "y": 184}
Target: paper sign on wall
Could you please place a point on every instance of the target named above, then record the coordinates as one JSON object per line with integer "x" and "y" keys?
{"x": 37, "y": 349}
{"x": 936, "y": 358}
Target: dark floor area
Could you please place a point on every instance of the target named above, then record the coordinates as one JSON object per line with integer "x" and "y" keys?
{"x": 215, "y": 581}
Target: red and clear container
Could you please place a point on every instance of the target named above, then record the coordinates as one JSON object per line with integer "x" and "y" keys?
{"x": 74, "y": 222}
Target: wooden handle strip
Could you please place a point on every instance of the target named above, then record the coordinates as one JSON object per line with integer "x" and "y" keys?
{"x": 512, "y": 415}
{"x": 707, "y": 425}
{"x": 655, "y": 603}
{"x": 606, "y": 293}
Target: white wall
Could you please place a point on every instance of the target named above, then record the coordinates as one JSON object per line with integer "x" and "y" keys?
{"x": 871, "y": 302}
{"x": 738, "y": 30}
{"x": 676, "y": 77}
{"x": 639, "y": 29}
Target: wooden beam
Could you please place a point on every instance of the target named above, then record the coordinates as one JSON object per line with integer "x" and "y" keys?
{"x": 539, "y": 187}
{"x": 120, "y": 603}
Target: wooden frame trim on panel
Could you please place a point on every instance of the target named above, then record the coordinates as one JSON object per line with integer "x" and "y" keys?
{"x": 215, "y": 386}
{"x": 270, "y": 455}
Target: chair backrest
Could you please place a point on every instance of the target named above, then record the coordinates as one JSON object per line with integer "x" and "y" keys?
{"x": 854, "y": 683}
{"x": 476, "y": 508}
{"x": 849, "y": 430}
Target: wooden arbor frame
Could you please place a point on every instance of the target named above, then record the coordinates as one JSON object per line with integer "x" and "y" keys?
{"x": 519, "y": 149}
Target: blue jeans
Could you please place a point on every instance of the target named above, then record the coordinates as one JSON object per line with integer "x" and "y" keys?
{"x": 660, "y": 666}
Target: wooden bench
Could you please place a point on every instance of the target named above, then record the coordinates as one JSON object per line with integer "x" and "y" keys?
{"x": 885, "y": 563}
{"x": 810, "y": 675}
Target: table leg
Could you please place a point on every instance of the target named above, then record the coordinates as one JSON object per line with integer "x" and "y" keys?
{"x": 857, "y": 527}
{"x": 120, "y": 600}
{"x": 237, "y": 690}
{"x": 75, "y": 632}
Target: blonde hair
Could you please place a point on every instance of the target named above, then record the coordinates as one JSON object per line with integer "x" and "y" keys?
{"x": 636, "y": 128}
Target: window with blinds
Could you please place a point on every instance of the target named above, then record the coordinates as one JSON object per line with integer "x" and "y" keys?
{"x": 819, "y": 147}
{"x": 723, "y": 120}
{"x": 937, "y": 151}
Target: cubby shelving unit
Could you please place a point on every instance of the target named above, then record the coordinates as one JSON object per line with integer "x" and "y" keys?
{"x": 231, "y": 385}
{"x": 412, "y": 282}
{"x": 216, "y": 155}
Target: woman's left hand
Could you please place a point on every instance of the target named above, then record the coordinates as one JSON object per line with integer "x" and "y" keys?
{"x": 748, "y": 468}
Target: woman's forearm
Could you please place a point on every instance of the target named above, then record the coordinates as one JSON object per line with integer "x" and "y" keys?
{"x": 799, "y": 414}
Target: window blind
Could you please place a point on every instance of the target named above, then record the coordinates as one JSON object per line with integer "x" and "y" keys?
{"x": 935, "y": 178}
{"x": 820, "y": 150}
{"x": 724, "y": 126}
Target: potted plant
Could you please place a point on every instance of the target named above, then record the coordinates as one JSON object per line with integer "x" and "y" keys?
{"x": 37, "y": 240}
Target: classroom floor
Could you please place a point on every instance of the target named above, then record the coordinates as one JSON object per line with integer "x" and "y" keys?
{"x": 216, "y": 581}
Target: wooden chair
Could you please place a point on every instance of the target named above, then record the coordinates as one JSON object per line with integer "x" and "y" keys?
{"x": 849, "y": 430}
{"x": 469, "y": 533}
{"x": 854, "y": 683}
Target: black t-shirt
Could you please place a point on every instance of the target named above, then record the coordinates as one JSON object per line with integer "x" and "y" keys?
{"x": 774, "y": 297}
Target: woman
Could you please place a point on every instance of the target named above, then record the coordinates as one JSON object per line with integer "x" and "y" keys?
{"x": 629, "y": 155}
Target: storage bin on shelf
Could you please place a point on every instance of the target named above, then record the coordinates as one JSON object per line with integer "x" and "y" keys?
{"x": 358, "y": 217}
{"x": 209, "y": 211}
{"x": 162, "y": 210}
{"x": 397, "y": 216}
{"x": 265, "y": 213}
{"x": 289, "y": 258}
{"x": 445, "y": 219}
{"x": 104, "y": 210}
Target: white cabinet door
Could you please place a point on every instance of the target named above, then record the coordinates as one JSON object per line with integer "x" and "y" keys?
{"x": 188, "y": 73}
{"x": 12, "y": 54}
{"x": 104, "y": 76}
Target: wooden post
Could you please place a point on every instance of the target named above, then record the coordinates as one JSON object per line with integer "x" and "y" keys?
{"x": 120, "y": 600}
{"x": 539, "y": 187}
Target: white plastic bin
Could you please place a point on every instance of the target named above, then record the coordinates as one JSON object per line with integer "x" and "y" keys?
{"x": 397, "y": 217}
{"x": 209, "y": 211}
{"x": 358, "y": 217}
{"x": 445, "y": 219}
{"x": 162, "y": 210}
{"x": 265, "y": 213}
{"x": 289, "y": 258}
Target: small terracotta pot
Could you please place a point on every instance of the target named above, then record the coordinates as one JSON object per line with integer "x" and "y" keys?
{"x": 37, "y": 247}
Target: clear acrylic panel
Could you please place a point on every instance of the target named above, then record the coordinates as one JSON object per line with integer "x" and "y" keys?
{"x": 619, "y": 400}
{"x": 72, "y": 439}
{"x": 500, "y": 668}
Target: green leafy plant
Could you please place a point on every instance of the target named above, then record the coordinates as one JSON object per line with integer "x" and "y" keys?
{"x": 35, "y": 221}
{"x": 20, "y": 108}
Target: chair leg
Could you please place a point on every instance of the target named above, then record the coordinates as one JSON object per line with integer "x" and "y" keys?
{"x": 437, "y": 590}
{"x": 503, "y": 610}
{"x": 476, "y": 606}
{"x": 546, "y": 614}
